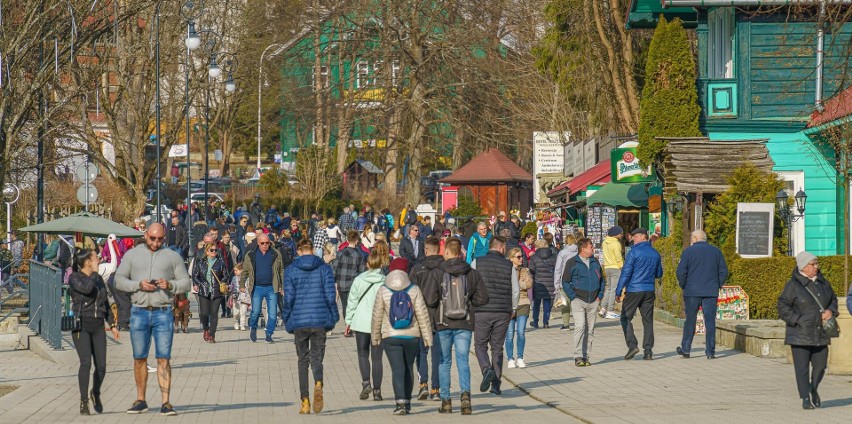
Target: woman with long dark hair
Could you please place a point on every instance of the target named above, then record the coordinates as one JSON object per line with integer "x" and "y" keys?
{"x": 89, "y": 301}
{"x": 209, "y": 273}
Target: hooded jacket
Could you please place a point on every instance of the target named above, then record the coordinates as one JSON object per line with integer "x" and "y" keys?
{"x": 381, "y": 328}
{"x": 309, "y": 295}
{"x": 476, "y": 292}
{"x": 612, "y": 253}
{"x": 567, "y": 252}
{"x": 359, "y": 314}
{"x": 421, "y": 271}
{"x": 542, "y": 267}
{"x": 800, "y": 311}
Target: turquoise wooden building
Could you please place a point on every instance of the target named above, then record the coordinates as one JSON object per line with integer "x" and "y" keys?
{"x": 762, "y": 76}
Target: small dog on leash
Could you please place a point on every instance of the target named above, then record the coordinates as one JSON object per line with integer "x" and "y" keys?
{"x": 181, "y": 311}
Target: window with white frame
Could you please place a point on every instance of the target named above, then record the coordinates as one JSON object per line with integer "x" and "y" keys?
{"x": 395, "y": 72}
{"x": 323, "y": 74}
{"x": 720, "y": 43}
{"x": 362, "y": 74}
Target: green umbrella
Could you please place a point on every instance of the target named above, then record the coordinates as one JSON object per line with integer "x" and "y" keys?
{"x": 83, "y": 222}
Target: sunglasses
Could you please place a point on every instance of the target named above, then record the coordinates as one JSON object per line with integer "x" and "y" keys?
{"x": 264, "y": 243}
{"x": 517, "y": 257}
{"x": 156, "y": 238}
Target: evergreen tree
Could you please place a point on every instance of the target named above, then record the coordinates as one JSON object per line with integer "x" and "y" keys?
{"x": 669, "y": 105}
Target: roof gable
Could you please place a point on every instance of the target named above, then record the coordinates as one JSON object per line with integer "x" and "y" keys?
{"x": 490, "y": 166}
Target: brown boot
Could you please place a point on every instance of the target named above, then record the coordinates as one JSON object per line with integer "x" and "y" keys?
{"x": 318, "y": 401}
{"x": 465, "y": 404}
{"x": 306, "y": 406}
{"x": 446, "y": 406}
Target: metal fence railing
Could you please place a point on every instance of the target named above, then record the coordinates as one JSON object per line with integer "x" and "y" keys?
{"x": 46, "y": 302}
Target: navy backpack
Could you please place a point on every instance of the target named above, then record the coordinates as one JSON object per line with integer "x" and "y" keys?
{"x": 401, "y": 312}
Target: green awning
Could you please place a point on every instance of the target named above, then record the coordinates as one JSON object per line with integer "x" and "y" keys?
{"x": 83, "y": 222}
{"x": 625, "y": 195}
{"x": 646, "y": 13}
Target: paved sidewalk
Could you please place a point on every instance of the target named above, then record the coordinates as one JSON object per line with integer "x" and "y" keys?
{"x": 233, "y": 380}
{"x": 735, "y": 387}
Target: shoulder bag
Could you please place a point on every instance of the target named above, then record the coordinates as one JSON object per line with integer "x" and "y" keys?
{"x": 829, "y": 327}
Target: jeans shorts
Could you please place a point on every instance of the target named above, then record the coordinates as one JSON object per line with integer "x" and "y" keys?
{"x": 144, "y": 324}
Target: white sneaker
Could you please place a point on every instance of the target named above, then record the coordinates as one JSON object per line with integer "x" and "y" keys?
{"x": 236, "y": 326}
{"x": 242, "y": 328}
{"x": 330, "y": 332}
{"x": 521, "y": 363}
{"x": 602, "y": 312}
{"x": 612, "y": 315}
{"x": 152, "y": 369}
{"x": 511, "y": 363}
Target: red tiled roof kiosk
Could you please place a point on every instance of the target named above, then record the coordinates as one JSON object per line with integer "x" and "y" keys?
{"x": 495, "y": 181}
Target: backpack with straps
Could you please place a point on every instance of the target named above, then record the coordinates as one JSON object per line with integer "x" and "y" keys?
{"x": 401, "y": 313}
{"x": 454, "y": 298}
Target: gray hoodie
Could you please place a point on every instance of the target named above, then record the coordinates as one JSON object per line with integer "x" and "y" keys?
{"x": 140, "y": 263}
{"x": 567, "y": 252}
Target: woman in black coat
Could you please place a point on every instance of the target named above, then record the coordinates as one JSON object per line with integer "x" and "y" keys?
{"x": 804, "y": 318}
{"x": 208, "y": 274}
{"x": 542, "y": 266}
{"x": 89, "y": 301}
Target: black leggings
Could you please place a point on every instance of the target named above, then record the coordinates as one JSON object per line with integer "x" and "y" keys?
{"x": 91, "y": 344}
{"x": 367, "y": 354}
{"x": 208, "y": 313}
{"x": 401, "y": 353}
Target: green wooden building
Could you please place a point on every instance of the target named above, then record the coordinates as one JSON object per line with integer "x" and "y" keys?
{"x": 763, "y": 76}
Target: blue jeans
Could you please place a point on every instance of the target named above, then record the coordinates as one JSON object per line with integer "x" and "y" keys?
{"x": 144, "y": 324}
{"x": 460, "y": 340}
{"x": 691, "y": 304}
{"x": 538, "y": 304}
{"x": 258, "y": 295}
{"x": 519, "y": 326}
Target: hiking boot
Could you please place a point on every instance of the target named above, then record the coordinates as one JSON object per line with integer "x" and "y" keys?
{"x": 487, "y": 378}
{"x": 400, "y": 408}
{"x": 631, "y": 353}
{"x": 495, "y": 387}
{"x": 578, "y": 362}
{"x": 466, "y": 409}
{"x": 306, "y": 406}
{"x": 446, "y": 406}
{"x": 96, "y": 402}
{"x": 167, "y": 410}
{"x": 377, "y": 395}
{"x": 318, "y": 400}
{"x": 365, "y": 391}
{"x": 424, "y": 392}
{"x": 434, "y": 394}
{"x": 138, "y": 407}
{"x": 586, "y": 362}
{"x": 84, "y": 407}
{"x": 253, "y": 335}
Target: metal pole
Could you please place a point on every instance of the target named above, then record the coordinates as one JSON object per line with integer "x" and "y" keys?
{"x": 789, "y": 234}
{"x": 188, "y": 167}
{"x": 206, "y": 149}
{"x": 157, "y": 109}
{"x": 8, "y": 222}
{"x": 259, "y": 87}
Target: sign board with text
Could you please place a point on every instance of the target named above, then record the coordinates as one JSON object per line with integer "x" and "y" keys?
{"x": 548, "y": 157}
{"x": 755, "y": 227}
{"x": 626, "y": 167}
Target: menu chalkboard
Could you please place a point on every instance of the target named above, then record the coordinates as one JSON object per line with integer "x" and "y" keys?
{"x": 754, "y": 233}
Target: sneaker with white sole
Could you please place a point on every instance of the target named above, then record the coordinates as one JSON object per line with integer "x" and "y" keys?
{"x": 602, "y": 312}
{"x": 511, "y": 363}
{"x": 612, "y": 315}
{"x": 520, "y": 363}
{"x": 236, "y": 326}
{"x": 151, "y": 369}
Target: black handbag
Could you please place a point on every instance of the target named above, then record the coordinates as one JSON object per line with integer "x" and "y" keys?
{"x": 72, "y": 322}
{"x": 829, "y": 327}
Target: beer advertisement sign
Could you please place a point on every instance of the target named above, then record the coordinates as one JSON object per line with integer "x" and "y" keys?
{"x": 626, "y": 167}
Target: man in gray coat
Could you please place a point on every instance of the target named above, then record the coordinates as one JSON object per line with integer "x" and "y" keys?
{"x": 153, "y": 275}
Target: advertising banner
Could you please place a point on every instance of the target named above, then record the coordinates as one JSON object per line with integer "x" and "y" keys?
{"x": 626, "y": 167}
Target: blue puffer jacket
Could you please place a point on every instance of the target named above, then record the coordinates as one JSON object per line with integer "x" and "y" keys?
{"x": 309, "y": 295}
{"x": 641, "y": 266}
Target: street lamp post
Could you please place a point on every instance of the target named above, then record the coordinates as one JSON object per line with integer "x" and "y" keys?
{"x": 788, "y": 215}
{"x": 281, "y": 47}
{"x": 190, "y": 12}
{"x": 157, "y": 107}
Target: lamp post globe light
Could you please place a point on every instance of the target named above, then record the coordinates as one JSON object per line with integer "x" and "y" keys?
{"x": 193, "y": 41}
{"x": 787, "y": 215}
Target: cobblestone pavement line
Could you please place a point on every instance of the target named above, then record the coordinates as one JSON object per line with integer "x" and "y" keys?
{"x": 234, "y": 380}
{"x": 735, "y": 387}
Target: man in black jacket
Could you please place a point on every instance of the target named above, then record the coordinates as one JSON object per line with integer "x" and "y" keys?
{"x": 454, "y": 333}
{"x": 411, "y": 247}
{"x": 418, "y": 277}
{"x": 176, "y": 237}
{"x": 492, "y": 319}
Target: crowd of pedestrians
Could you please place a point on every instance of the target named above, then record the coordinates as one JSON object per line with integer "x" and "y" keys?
{"x": 443, "y": 292}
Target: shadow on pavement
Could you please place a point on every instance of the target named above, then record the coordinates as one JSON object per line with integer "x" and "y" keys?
{"x": 544, "y": 383}
{"x": 205, "y": 364}
{"x": 833, "y": 403}
{"x": 197, "y": 409}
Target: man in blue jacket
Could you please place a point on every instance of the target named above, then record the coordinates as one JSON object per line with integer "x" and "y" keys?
{"x": 584, "y": 284}
{"x": 310, "y": 311}
{"x": 702, "y": 271}
{"x": 641, "y": 267}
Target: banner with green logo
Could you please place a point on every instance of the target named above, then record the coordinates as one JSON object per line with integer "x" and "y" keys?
{"x": 626, "y": 168}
